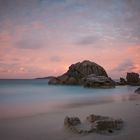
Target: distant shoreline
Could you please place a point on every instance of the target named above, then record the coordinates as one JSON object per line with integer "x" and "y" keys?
{"x": 48, "y": 77}
{"x": 38, "y": 78}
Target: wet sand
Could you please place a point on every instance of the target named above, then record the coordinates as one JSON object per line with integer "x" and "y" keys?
{"x": 49, "y": 126}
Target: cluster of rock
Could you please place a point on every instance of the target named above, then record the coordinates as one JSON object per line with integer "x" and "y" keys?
{"x": 131, "y": 79}
{"x": 86, "y": 73}
{"x": 90, "y": 74}
{"x": 93, "y": 123}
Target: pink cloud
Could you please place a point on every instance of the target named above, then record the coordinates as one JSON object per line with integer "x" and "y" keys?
{"x": 57, "y": 55}
{"x": 37, "y": 25}
{"x": 5, "y": 37}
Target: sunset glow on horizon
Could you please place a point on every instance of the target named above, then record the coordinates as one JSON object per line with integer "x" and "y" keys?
{"x": 39, "y": 38}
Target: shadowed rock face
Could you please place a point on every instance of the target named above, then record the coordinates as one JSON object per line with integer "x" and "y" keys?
{"x": 98, "y": 81}
{"x": 87, "y": 70}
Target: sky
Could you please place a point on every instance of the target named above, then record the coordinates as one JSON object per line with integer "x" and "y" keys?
{"x": 44, "y": 37}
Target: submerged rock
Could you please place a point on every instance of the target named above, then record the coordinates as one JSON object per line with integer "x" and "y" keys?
{"x": 85, "y": 73}
{"x": 93, "y": 123}
{"x": 137, "y": 90}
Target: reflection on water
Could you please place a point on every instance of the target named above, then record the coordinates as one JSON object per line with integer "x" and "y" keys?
{"x": 126, "y": 97}
{"x": 28, "y": 97}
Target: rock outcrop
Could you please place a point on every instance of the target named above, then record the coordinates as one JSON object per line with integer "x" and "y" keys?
{"x": 137, "y": 90}
{"x": 122, "y": 81}
{"x": 83, "y": 73}
{"x": 133, "y": 78}
{"x": 98, "y": 81}
{"x": 64, "y": 79}
{"x": 85, "y": 68}
{"x": 93, "y": 123}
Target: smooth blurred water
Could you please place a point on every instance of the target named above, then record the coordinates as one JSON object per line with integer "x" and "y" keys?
{"x": 22, "y": 97}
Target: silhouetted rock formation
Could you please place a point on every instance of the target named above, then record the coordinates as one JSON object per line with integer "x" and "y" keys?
{"x": 133, "y": 78}
{"x": 86, "y": 73}
{"x": 122, "y": 81}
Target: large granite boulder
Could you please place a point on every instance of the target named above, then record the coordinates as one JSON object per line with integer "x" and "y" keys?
{"x": 82, "y": 73}
{"x": 85, "y": 68}
{"x": 133, "y": 78}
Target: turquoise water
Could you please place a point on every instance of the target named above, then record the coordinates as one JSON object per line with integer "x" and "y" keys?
{"x": 27, "y": 97}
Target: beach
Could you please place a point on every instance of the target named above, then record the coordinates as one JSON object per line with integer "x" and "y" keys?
{"x": 49, "y": 126}
{"x": 34, "y": 110}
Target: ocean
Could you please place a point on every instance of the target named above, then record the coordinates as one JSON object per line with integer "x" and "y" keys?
{"x": 20, "y": 98}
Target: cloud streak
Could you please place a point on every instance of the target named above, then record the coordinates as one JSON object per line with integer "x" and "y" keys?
{"x": 125, "y": 66}
{"x": 88, "y": 40}
{"x": 55, "y": 59}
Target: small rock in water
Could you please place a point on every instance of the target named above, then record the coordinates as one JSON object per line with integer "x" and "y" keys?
{"x": 110, "y": 131}
{"x": 137, "y": 90}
